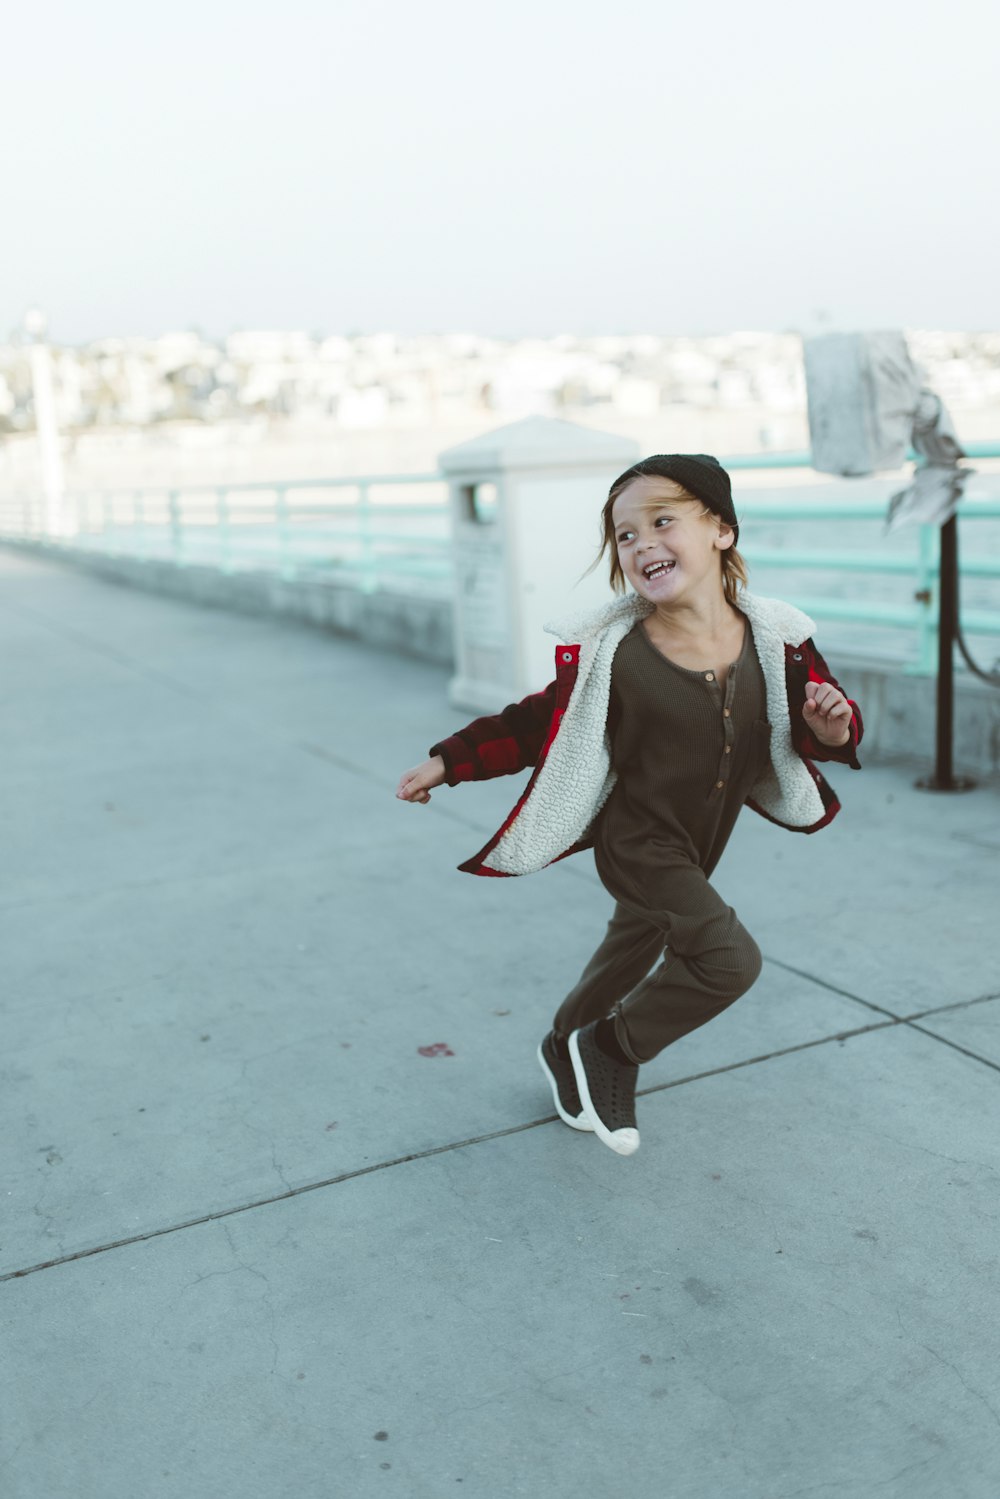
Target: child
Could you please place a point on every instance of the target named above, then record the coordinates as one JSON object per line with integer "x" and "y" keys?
{"x": 671, "y": 708}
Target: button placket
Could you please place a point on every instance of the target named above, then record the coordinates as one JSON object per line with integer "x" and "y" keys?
{"x": 712, "y": 683}
{"x": 728, "y": 728}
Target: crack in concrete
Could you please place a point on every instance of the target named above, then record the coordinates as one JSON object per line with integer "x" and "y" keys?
{"x": 812, "y": 1488}
{"x": 11, "y": 1456}
{"x": 268, "y": 1297}
{"x": 209, "y": 1275}
{"x": 939, "y": 1155}
{"x": 977, "y": 1394}
{"x": 839, "y": 1484}
{"x": 259, "y": 1129}
{"x": 535, "y": 1383}
{"x": 73, "y": 1002}
{"x": 278, "y": 1168}
{"x": 910, "y": 1468}
{"x": 263, "y": 1056}
{"x": 48, "y": 1425}
{"x": 47, "y": 1220}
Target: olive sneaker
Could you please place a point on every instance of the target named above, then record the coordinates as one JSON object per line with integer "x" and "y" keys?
{"x": 559, "y": 1071}
{"x": 607, "y": 1091}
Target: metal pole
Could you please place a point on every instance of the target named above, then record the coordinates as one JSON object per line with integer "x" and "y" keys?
{"x": 943, "y": 779}
{"x": 946, "y": 658}
{"x": 929, "y": 544}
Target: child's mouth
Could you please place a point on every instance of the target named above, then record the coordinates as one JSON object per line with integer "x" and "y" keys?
{"x": 657, "y": 570}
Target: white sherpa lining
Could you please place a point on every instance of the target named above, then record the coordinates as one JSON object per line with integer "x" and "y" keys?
{"x": 786, "y": 790}
{"x": 577, "y": 778}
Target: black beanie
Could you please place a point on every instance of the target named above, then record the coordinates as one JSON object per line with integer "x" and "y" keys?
{"x": 701, "y": 475}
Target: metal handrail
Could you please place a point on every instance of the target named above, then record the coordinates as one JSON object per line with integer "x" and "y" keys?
{"x": 281, "y": 526}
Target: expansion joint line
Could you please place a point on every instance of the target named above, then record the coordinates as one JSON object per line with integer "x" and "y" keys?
{"x": 514, "y": 1129}
{"x": 910, "y": 1020}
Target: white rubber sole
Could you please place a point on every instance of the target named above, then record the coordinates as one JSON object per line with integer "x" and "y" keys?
{"x": 581, "y": 1121}
{"x": 621, "y": 1141}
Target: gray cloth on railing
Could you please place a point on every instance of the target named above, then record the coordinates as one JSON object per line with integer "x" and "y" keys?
{"x": 932, "y": 496}
{"x": 930, "y": 499}
{"x": 862, "y": 390}
{"x": 867, "y": 404}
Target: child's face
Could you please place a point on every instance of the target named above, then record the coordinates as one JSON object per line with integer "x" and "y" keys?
{"x": 668, "y": 549}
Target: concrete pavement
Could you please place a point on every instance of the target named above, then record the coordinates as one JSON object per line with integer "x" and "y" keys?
{"x": 287, "y": 1210}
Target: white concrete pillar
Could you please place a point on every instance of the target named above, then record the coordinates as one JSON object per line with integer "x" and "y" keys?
{"x": 50, "y": 456}
{"x": 525, "y": 504}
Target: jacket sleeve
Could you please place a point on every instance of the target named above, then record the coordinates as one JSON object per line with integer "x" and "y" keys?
{"x": 501, "y": 743}
{"x": 815, "y": 669}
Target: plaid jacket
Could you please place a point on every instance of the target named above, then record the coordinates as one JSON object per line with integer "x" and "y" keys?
{"x": 562, "y": 732}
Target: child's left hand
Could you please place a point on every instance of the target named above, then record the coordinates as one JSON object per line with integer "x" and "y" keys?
{"x": 827, "y": 714}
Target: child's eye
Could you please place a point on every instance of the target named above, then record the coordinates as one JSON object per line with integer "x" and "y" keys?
{"x": 664, "y": 519}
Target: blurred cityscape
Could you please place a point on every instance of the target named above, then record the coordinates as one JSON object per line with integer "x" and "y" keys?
{"x": 263, "y": 404}
{"x": 370, "y": 380}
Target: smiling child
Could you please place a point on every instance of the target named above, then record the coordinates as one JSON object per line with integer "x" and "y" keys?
{"x": 671, "y": 709}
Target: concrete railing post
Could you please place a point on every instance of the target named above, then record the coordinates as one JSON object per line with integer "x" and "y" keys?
{"x": 525, "y": 505}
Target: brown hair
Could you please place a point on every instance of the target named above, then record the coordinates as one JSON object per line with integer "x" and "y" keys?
{"x": 734, "y": 567}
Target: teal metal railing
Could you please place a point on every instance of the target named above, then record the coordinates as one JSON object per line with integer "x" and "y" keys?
{"x": 915, "y": 607}
{"x": 370, "y": 529}
{"x": 390, "y": 531}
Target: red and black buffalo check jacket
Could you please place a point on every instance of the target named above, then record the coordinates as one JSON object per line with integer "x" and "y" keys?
{"x": 523, "y": 733}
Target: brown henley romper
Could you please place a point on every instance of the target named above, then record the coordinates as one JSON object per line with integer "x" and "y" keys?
{"x": 686, "y": 752}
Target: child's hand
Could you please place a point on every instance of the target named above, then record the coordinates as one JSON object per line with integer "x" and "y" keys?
{"x": 414, "y": 785}
{"x": 827, "y": 714}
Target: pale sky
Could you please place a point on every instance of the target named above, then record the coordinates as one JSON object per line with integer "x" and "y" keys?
{"x": 535, "y": 166}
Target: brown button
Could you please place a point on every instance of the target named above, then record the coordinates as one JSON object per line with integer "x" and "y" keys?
{"x": 725, "y": 712}
{"x": 709, "y": 676}
{"x": 729, "y": 749}
{"x": 719, "y": 785}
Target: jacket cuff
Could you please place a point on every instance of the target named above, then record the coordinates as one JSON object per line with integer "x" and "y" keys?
{"x": 458, "y": 764}
{"x": 844, "y": 754}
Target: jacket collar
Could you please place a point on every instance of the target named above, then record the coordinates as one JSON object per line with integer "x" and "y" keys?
{"x": 767, "y": 616}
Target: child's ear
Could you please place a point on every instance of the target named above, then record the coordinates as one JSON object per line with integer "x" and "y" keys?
{"x": 726, "y": 537}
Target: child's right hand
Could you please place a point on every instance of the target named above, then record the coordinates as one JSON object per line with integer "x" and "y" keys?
{"x": 415, "y": 785}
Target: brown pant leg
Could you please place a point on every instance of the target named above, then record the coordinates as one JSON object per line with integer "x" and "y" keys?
{"x": 710, "y": 960}
{"x": 631, "y": 945}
